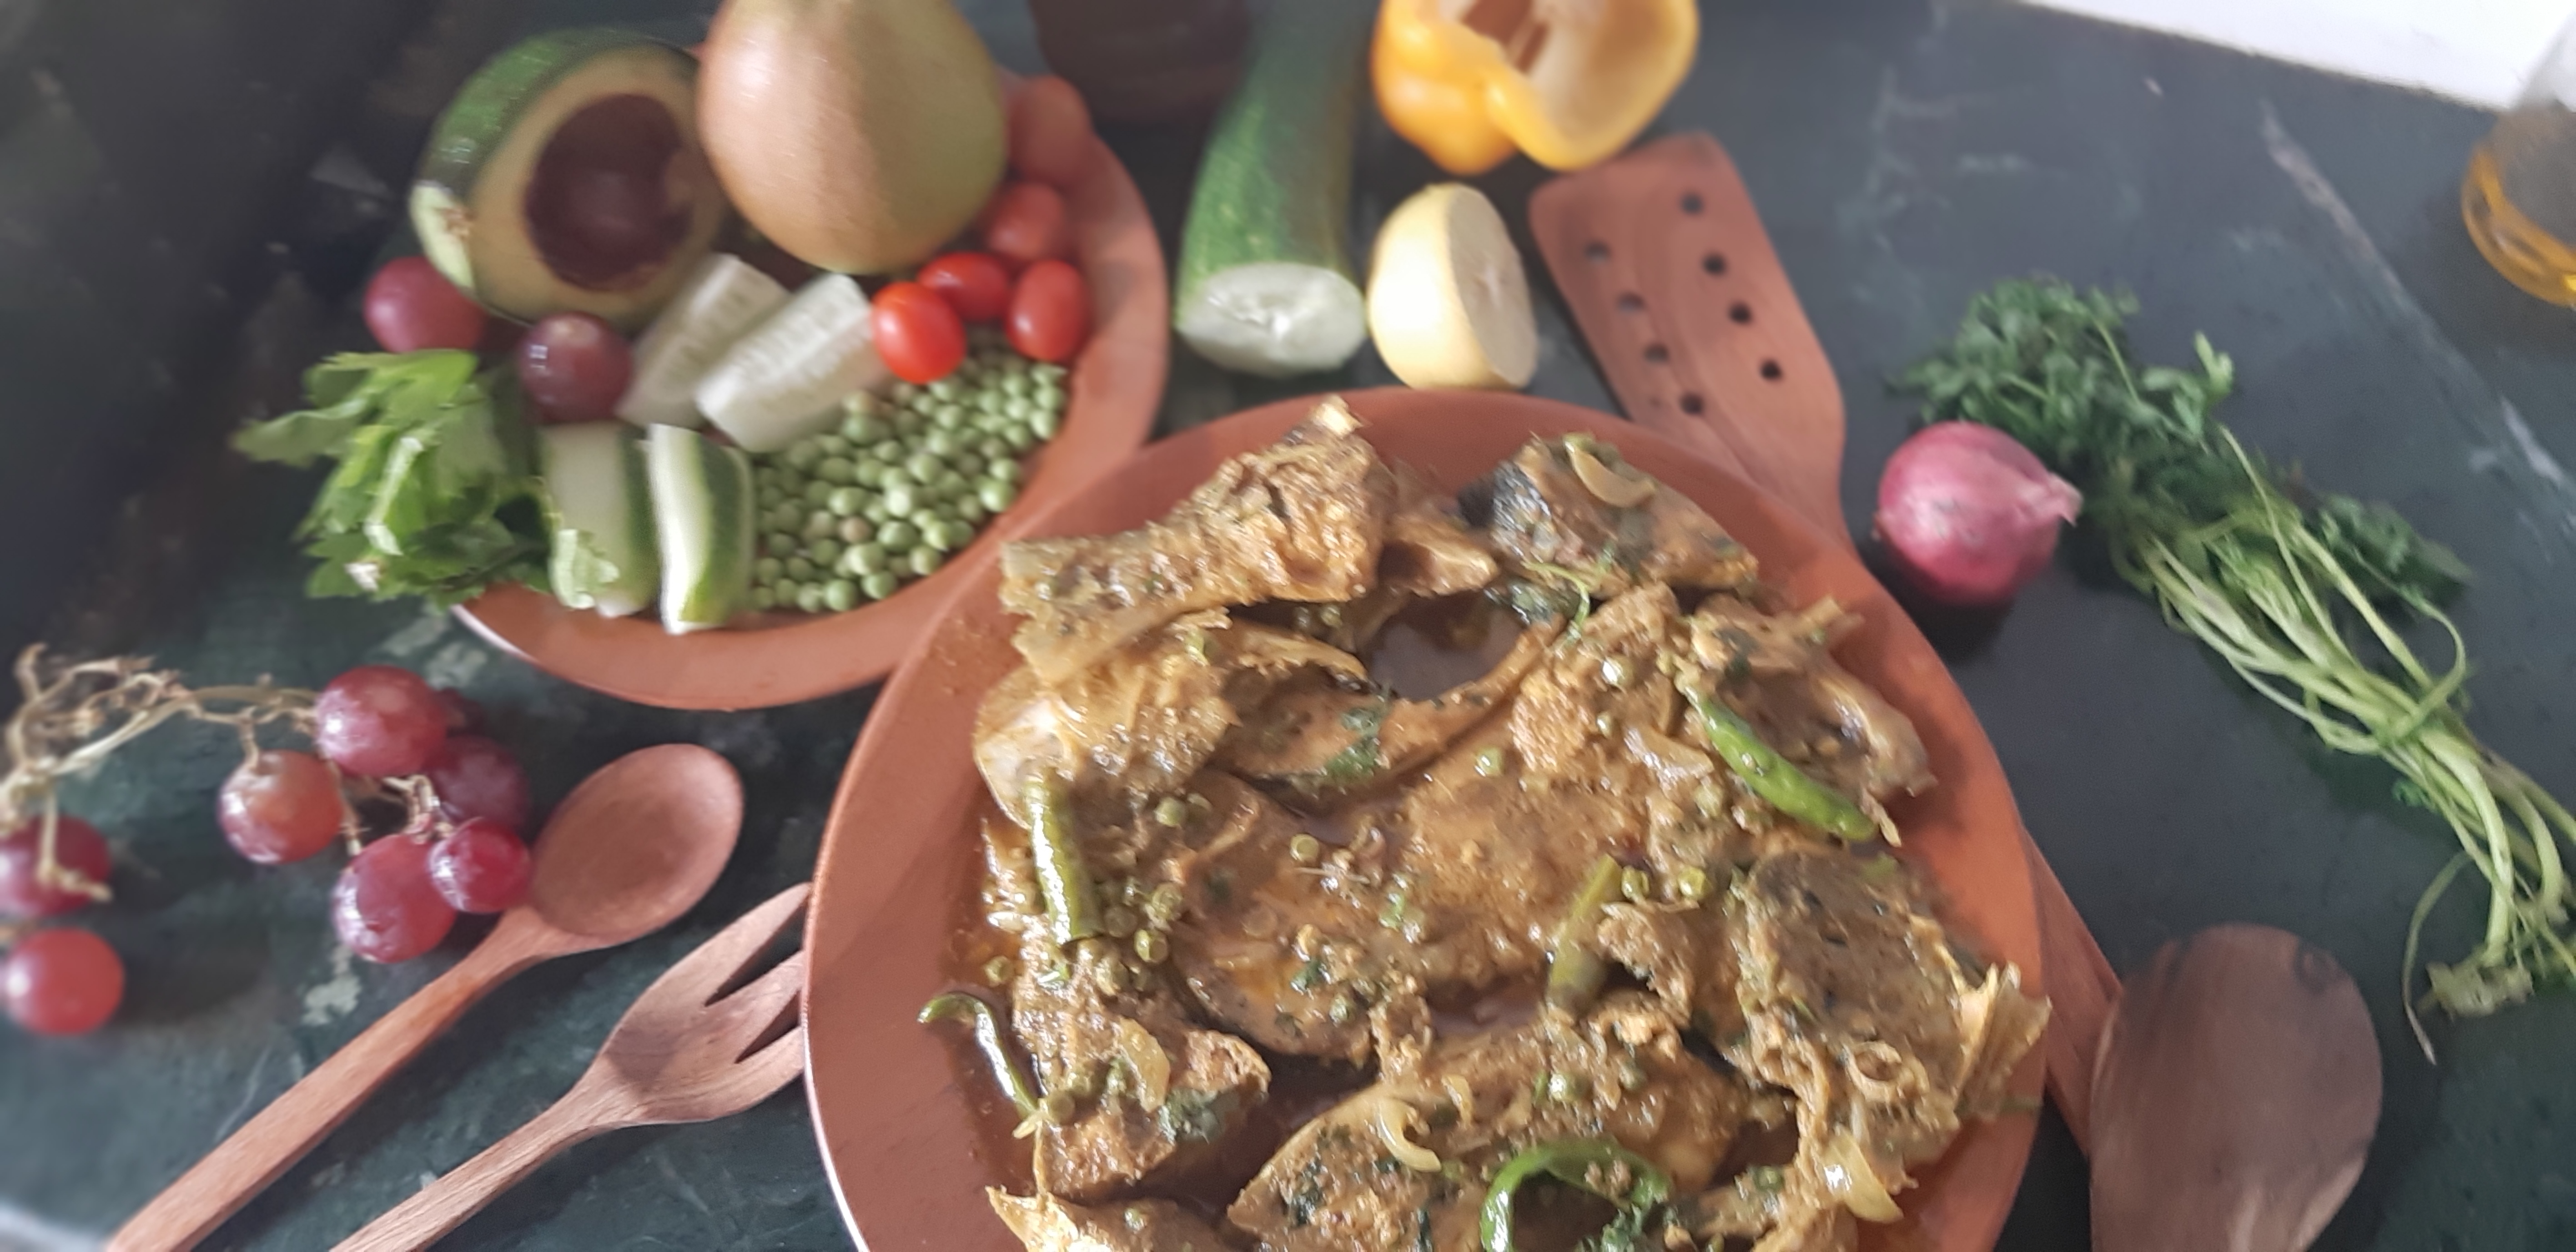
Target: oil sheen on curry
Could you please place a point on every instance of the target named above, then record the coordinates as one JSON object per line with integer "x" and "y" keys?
{"x": 1379, "y": 870}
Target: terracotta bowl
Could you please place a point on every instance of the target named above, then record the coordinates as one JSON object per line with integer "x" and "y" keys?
{"x": 907, "y": 1137}
{"x": 781, "y": 658}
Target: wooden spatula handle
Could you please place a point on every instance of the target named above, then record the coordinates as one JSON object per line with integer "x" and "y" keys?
{"x": 442, "y": 1206}
{"x": 1663, "y": 259}
{"x": 245, "y": 1164}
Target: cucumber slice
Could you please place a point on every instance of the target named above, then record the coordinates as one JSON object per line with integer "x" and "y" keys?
{"x": 787, "y": 378}
{"x": 602, "y": 554}
{"x": 719, "y": 303}
{"x": 1265, "y": 274}
{"x": 702, "y": 505}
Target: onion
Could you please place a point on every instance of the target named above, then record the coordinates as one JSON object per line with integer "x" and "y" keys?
{"x": 1969, "y": 514}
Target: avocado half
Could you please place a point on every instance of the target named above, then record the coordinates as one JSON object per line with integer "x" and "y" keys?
{"x": 568, "y": 175}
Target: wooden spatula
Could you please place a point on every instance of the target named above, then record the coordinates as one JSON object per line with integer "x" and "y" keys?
{"x": 1665, "y": 264}
{"x": 2236, "y": 1097}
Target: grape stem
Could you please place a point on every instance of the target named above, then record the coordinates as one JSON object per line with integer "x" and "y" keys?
{"x": 73, "y": 715}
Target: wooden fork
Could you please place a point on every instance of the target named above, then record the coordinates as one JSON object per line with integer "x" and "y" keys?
{"x": 687, "y": 1051}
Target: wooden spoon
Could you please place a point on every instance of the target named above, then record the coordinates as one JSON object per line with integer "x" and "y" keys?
{"x": 634, "y": 846}
{"x": 687, "y": 1051}
{"x": 2235, "y": 1097}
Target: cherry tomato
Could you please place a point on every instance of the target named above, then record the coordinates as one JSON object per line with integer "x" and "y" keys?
{"x": 1050, "y": 313}
{"x": 411, "y": 306}
{"x": 1051, "y": 133}
{"x": 918, "y": 335}
{"x": 575, "y": 367}
{"x": 975, "y": 285}
{"x": 1026, "y": 224}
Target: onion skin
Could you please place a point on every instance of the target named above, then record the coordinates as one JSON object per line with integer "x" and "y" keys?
{"x": 1968, "y": 515}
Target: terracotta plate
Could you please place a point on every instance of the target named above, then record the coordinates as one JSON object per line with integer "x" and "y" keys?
{"x": 900, "y": 1130}
{"x": 1116, "y": 385}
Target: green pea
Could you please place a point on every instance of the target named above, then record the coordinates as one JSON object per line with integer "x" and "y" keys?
{"x": 996, "y": 494}
{"x": 944, "y": 389}
{"x": 877, "y": 513}
{"x": 771, "y": 497}
{"x": 909, "y": 422}
{"x": 1021, "y": 437}
{"x": 862, "y": 560}
{"x": 1048, "y": 398}
{"x": 902, "y": 498}
{"x": 925, "y": 560}
{"x": 780, "y": 545}
{"x": 961, "y": 533}
{"x": 993, "y": 450}
{"x": 1043, "y": 426}
{"x": 879, "y": 585}
{"x": 817, "y": 492}
{"x": 970, "y": 507}
{"x": 950, "y": 484}
{"x": 819, "y": 523}
{"x": 802, "y": 456}
{"x": 897, "y": 536}
{"x": 797, "y": 568}
{"x": 1021, "y": 410}
{"x": 823, "y": 552}
{"x": 809, "y": 597}
{"x": 923, "y": 467}
{"x": 856, "y": 530}
{"x": 948, "y": 416}
{"x": 1044, "y": 372}
{"x": 1015, "y": 385}
{"x": 902, "y": 393}
{"x": 992, "y": 401}
{"x": 763, "y": 600}
{"x": 763, "y": 474}
{"x": 840, "y": 595}
{"x": 967, "y": 463}
{"x": 935, "y": 537}
{"x": 941, "y": 444}
{"x": 890, "y": 451}
{"x": 766, "y": 569}
{"x": 1003, "y": 470}
{"x": 832, "y": 444}
{"x": 847, "y": 502}
{"x": 834, "y": 470}
{"x": 868, "y": 473}
{"x": 863, "y": 429}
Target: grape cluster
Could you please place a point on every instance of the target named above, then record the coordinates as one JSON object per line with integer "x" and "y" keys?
{"x": 379, "y": 733}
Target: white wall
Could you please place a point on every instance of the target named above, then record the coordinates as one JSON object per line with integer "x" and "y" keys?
{"x": 2472, "y": 50}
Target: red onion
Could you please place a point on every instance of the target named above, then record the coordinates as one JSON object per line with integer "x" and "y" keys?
{"x": 1969, "y": 514}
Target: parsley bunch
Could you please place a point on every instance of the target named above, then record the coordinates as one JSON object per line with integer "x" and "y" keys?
{"x": 2302, "y": 593}
{"x": 433, "y": 494}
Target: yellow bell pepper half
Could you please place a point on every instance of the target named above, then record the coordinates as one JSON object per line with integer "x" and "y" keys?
{"x": 1569, "y": 82}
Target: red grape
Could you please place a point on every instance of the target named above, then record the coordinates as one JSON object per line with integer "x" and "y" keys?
{"x": 384, "y": 906}
{"x": 284, "y": 806}
{"x": 411, "y": 306}
{"x": 379, "y": 721}
{"x": 475, "y": 777}
{"x": 574, "y": 368}
{"x": 464, "y": 712}
{"x": 64, "y": 981}
{"x": 481, "y": 868}
{"x": 77, "y": 847}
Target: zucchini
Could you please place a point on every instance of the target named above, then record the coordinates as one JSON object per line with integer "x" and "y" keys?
{"x": 719, "y": 304}
{"x": 702, "y": 505}
{"x": 788, "y": 378}
{"x": 1265, "y": 283}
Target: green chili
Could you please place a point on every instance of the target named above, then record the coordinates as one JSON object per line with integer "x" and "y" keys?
{"x": 1571, "y": 1161}
{"x": 1574, "y": 972}
{"x": 968, "y": 1007}
{"x": 1073, "y": 909}
{"x": 1769, "y": 775}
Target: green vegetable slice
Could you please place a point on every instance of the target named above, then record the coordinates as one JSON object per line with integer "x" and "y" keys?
{"x": 1597, "y": 1165}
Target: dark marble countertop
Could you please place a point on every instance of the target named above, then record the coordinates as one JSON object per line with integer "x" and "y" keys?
{"x": 190, "y": 193}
